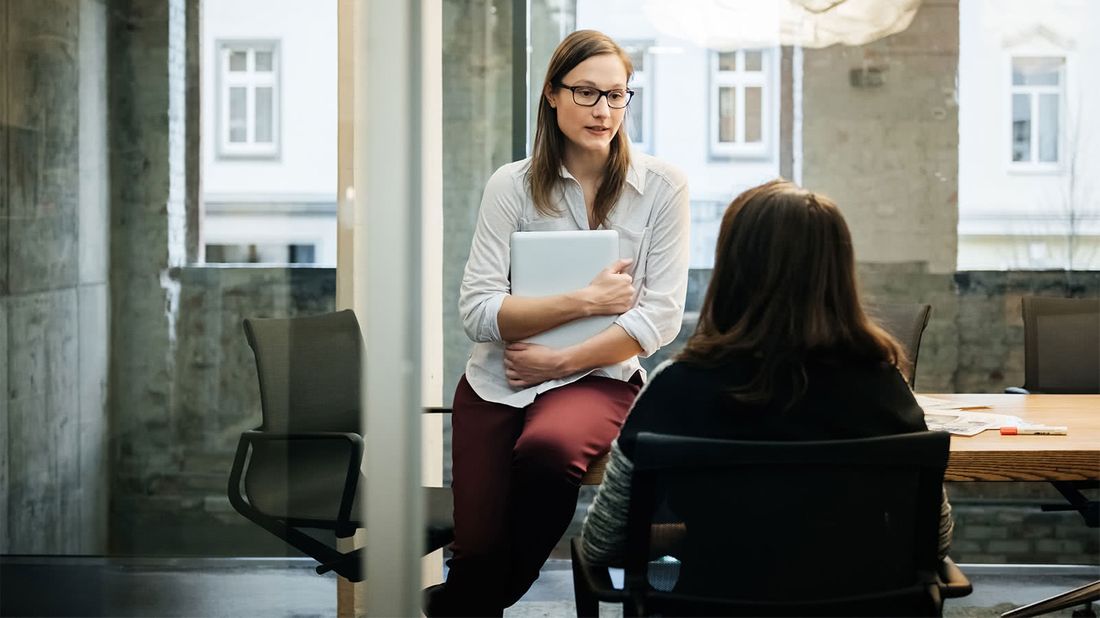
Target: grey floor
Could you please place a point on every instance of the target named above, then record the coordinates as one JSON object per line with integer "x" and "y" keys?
{"x": 77, "y": 586}
{"x": 997, "y": 589}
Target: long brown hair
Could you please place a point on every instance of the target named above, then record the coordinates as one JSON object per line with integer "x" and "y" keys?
{"x": 544, "y": 175}
{"x": 784, "y": 286}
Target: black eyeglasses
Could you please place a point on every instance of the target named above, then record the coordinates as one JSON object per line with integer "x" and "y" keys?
{"x": 587, "y": 96}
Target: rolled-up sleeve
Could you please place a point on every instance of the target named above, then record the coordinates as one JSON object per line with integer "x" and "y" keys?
{"x": 485, "y": 280}
{"x": 656, "y": 318}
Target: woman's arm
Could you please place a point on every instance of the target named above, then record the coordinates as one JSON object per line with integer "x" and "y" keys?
{"x": 527, "y": 364}
{"x": 485, "y": 279}
{"x": 603, "y": 537}
{"x": 947, "y": 526}
{"x": 610, "y": 293}
{"x": 658, "y": 315}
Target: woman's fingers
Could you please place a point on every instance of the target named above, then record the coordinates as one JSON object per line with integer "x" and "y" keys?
{"x": 619, "y": 265}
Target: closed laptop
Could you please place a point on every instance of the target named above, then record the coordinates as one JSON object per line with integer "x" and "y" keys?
{"x": 550, "y": 263}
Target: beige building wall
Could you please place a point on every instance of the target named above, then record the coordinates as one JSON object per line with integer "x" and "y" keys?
{"x": 881, "y": 134}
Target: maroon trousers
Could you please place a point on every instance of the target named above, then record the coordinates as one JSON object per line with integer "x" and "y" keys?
{"x": 516, "y": 474}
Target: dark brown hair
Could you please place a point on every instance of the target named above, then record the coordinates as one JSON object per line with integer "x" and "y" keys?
{"x": 784, "y": 286}
{"x": 544, "y": 176}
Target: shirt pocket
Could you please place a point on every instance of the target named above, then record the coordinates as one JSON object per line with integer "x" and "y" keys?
{"x": 634, "y": 244}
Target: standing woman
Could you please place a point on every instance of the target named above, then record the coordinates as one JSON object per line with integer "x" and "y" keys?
{"x": 529, "y": 419}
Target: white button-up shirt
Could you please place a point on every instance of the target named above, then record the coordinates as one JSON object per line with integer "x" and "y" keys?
{"x": 652, "y": 218}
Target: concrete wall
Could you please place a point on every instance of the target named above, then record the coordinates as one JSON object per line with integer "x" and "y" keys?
{"x": 53, "y": 277}
{"x": 888, "y": 154}
{"x": 180, "y": 506}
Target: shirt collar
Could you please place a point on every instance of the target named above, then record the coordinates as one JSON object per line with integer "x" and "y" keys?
{"x": 635, "y": 174}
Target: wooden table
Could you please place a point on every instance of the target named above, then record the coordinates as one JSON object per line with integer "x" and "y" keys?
{"x": 1075, "y": 456}
{"x": 990, "y": 456}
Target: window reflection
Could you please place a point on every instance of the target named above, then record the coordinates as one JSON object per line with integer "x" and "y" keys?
{"x": 1036, "y": 102}
{"x": 1021, "y": 127}
{"x": 269, "y": 132}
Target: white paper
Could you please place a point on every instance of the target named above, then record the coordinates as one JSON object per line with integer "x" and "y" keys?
{"x": 968, "y": 423}
{"x": 931, "y": 403}
{"x": 960, "y": 419}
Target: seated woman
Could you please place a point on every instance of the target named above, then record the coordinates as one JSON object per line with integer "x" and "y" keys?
{"x": 783, "y": 351}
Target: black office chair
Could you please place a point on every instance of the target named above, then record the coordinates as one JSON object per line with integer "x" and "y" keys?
{"x": 906, "y": 322}
{"x": 1061, "y": 345}
{"x": 845, "y": 527}
{"x": 1062, "y": 356}
{"x": 301, "y": 468}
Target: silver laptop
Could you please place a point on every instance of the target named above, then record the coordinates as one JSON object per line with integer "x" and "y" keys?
{"x": 548, "y": 263}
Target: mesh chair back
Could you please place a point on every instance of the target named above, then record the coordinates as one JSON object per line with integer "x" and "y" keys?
{"x": 906, "y": 322}
{"x": 309, "y": 371}
{"x": 1061, "y": 345}
{"x": 786, "y": 527}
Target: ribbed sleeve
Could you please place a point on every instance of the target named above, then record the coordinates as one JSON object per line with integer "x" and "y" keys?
{"x": 603, "y": 536}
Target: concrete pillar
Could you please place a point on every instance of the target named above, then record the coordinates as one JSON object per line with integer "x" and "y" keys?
{"x": 53, "y": 283}
{"x": 477, "y": 133}
{"x": 148, "y": 188}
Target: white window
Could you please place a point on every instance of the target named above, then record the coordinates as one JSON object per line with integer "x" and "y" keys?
{"x": 706, "y": 221}
{"x": 739, "y": 103}
{"x": 1037, "y": 91}
{"x": 639, "y": 115}
{"x": 248, "y": 99}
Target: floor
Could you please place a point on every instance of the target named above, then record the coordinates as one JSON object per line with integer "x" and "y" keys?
{"x": 241, "y": 587}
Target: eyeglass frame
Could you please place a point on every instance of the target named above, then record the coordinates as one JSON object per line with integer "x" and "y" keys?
{"x": 603, "y": 94}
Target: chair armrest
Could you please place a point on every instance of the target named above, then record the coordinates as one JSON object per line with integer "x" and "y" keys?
{"x": 256, "y": 435}
{"x": 952, "y": 581}
{"x": 595, "y": 579}
{"x": 1016, "y": 390}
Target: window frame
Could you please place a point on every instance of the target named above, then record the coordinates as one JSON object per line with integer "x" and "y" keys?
{"x": 1033, "y": 165}
{"x": 250, "y": 80}
{"x": 740, "y": 79}
{"x": 643, "y": 79}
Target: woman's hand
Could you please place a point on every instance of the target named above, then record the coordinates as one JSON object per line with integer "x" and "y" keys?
{"x": 611, "y": 292}
{"x": 528, "y": 364}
